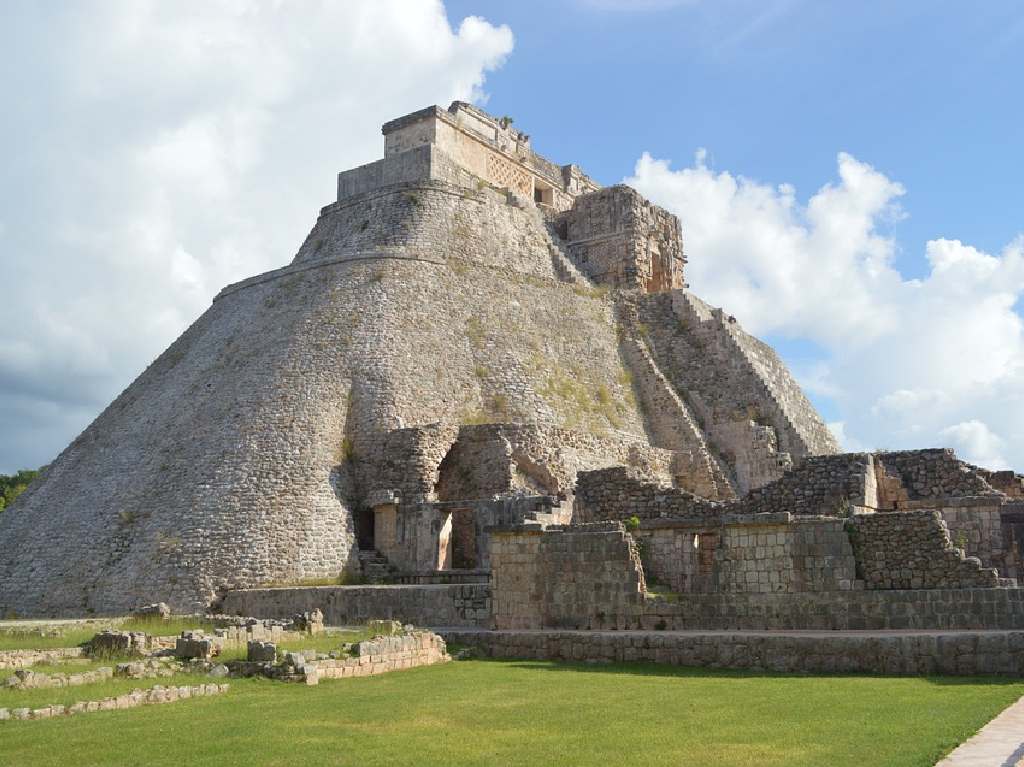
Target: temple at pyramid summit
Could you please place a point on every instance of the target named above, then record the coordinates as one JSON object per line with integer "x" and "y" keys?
{"x": 482, "y": 395}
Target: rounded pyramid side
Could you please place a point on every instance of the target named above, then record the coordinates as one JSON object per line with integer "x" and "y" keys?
{"x": 238, "y": 456}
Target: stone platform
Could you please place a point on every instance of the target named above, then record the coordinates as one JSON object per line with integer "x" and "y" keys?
{"x": 873, "y": 652}
{"x": 465, "y": 604}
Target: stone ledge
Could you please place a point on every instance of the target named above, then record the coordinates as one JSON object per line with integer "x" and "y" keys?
{"x": 893, "y": 653}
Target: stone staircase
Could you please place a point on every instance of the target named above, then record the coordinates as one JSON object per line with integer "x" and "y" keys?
{"x": 375, "y": 567}
{"x": 561, "y": 260}
{"x": 672, "y": 425}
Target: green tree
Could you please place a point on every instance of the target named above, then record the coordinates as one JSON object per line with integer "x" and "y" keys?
{"x": 13, "y": 485}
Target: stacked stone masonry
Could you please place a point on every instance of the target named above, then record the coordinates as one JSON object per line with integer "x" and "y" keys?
{"x": 563, "y": 577}
{"x": 437, "y": 605}
{"x": 955, "y": 653}
{"x": 912, "y": 550}
{"x": 383, "y": 655}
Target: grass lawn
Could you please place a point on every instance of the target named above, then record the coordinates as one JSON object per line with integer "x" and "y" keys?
{"x": 528, "y": 713}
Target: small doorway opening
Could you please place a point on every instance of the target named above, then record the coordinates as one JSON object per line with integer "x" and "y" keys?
{"x": 463, "y": 540}
{"x": 364, "y": 519}
{"x": 543, "y": 194}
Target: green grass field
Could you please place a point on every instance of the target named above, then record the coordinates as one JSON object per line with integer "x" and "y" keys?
{"x": 530, "y": 713}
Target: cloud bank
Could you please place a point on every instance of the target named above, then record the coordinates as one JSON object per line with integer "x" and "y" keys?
{"x": 935, "y": 360}
{"x": 157, "y": 152}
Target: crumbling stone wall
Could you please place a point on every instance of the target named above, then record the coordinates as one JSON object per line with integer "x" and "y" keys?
{"x": 565, "y": 577}
{"x": 912, "y": 550}
{"x": 822, "y": 484}
{"x": 975, "y": 525}
{"x": 934, "y": 473}
{"x": 24, "y": 658}
{"x": 382, "y": 655}
{"x": 618, "y": 493}
{"x": 501, "y": 458}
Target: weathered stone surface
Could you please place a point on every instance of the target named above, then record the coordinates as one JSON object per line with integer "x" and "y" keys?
{"x": 155, "y": 610}
{"x": 434, "y": 605}
{"x": 194, "y": 645}
{"x": 261, "y": 652}
{"x": 956, "y": 653}
{"x": 118, "y": 644}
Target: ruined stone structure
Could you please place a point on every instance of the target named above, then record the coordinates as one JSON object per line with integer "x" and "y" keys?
{"x": 483, "y": 386}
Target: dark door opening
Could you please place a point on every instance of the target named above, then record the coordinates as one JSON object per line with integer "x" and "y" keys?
{"x": 364, "y": 529}
{"x": 463, "y": 540}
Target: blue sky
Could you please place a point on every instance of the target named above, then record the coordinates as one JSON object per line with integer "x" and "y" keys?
{"x": 847, "y": 175}
{"x": 930, "y": 93}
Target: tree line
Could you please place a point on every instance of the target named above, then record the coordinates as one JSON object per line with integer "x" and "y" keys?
{"x": 13, "y": 485}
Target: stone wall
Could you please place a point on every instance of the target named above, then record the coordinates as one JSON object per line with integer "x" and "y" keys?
{"x": 618, "y": 493}
{"x": 484, "y": 460}
{"x": 758, "y": 555}
{"x": 383, "y": 655}
{"x": 563, "y": 578}
{"x": 976, "y": 526}
{"x": 958, "y": 653}
{"x": 859, "y": 610}
{"x": 822, "y": 484}
{"x": 931, "y": 473}
{"x": 24, "y": 658}
{"x": 618, "y": 238}
{"x": 429, "y": 605}
{"x": 133, "y": 699}
{"x": 912, "y": 550}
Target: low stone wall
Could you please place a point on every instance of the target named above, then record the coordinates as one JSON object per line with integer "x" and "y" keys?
{"x": 132, "y": 699}
{"x": 24, "y": 658}
{"x": 384, "y": 654}
{"x": 25, "y": 679}
{"x": 912, "y": 550}
{"x": 429, "y": 605}
{"x": 925, "y": 609}
{"x": 954, "y": 653}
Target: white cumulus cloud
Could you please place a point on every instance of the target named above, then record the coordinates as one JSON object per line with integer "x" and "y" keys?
{"x": 158, "y": 151}
{"x": 937, "y": 360}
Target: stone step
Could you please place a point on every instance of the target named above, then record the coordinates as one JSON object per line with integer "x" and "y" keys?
{"x": 376, "y": 567}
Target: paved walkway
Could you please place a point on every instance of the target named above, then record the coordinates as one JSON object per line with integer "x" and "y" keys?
{"x": 1000, "y": 743}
